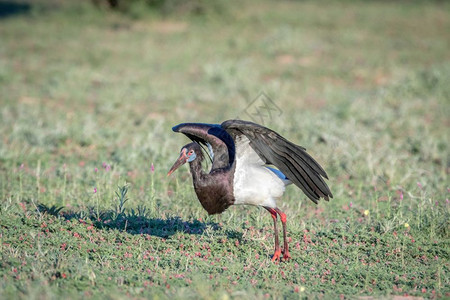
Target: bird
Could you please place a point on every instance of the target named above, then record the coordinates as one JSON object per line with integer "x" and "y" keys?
{"x": 250, "y": 165}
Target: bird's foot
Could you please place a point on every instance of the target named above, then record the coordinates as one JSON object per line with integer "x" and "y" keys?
{"x": 277, "y": 255}
{"x": 286, "y": 255}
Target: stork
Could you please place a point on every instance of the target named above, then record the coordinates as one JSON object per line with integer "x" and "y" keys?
{"x": 251, "y": 164}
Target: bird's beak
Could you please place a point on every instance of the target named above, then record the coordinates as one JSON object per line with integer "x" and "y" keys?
{"x": 180, "y": 161}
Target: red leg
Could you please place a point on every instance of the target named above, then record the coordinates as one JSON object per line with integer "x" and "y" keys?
{"x": 277, "y": 253}
{"x": 286, "y": 254}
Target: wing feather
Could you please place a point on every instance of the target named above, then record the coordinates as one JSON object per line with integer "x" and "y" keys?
{"x": 220, "y": 141}
{"x": 291, "y": 159}
{"x": 315, "y": 182}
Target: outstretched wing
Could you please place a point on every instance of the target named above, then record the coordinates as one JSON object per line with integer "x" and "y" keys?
{"x": 291, "y": 159}
{"x": 214, "y": 135}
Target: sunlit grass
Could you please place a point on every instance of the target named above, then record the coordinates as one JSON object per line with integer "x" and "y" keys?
{"x": 88, "y": 100}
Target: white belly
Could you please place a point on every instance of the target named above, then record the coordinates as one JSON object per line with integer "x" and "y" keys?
{"x": 253, "y": 183}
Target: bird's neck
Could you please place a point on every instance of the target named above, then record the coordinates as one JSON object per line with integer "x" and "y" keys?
{"x": 196, "y": 169}
{"x": 214, "y": 190}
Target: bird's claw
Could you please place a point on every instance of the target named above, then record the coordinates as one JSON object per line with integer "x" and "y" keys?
{"x": 286, "y": 255}
{"x": 277, "y": 255}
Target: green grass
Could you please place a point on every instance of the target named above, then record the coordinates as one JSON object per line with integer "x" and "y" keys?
{"x": 88, "y": 100}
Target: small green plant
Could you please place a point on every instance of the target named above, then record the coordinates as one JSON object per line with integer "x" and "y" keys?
{"x": 121, "y": 199}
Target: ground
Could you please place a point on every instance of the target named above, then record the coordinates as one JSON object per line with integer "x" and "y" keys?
{"x": 88, "y": 98}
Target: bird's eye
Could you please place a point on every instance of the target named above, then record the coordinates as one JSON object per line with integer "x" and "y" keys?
{"x": 191, "y": 152}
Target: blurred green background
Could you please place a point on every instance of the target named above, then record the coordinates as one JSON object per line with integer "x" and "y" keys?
{"x": 89, "y": 93}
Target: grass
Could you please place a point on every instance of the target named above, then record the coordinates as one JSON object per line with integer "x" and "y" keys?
{"x": 87, "y": 102}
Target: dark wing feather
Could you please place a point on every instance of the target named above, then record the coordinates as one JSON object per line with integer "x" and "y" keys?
{"x": 213, "y": 134}
{"x": 291, "y": 159}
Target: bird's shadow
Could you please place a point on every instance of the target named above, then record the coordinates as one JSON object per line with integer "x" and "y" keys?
{"x": 133, "y": 223}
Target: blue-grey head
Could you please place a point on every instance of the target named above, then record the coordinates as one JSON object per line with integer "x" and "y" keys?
{"x": 188, "y": 154}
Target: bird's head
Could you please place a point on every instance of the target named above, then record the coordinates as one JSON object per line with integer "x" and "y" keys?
{"x": 188, "y": 153}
